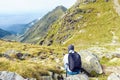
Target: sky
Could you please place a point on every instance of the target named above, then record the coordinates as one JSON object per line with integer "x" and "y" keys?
{"x": 31, "y": 6}
{"x": 24, "y": 11}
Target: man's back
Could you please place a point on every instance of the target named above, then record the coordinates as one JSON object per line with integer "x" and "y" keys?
{"x": 72, "y": 61}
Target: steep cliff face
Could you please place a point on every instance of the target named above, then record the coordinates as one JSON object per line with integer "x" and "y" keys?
{"x": 88, "y": 23}
{"x": 40, "y": 28}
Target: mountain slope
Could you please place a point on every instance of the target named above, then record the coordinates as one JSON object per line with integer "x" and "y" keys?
{"x": 90, "y": 23}
{"x": 29, "y": 25}
{"x": 40, "y": 28}
{"x": 4, "y": 33}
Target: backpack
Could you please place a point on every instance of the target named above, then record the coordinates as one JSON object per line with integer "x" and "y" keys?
{"x": 74, "y": 62}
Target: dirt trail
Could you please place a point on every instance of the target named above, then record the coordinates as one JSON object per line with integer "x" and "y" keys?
{"x": 117, "y": 6}
{"x": 111, "y": 69}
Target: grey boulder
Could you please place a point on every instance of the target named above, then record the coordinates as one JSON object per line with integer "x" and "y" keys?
{"x": 114, "y": 76}
{"x": 4, "y": 75}
{"x": 90, "y": 62}
{"x": 78, "y": 77}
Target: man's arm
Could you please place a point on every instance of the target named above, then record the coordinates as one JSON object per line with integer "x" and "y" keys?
{"x": 65, "y": 60}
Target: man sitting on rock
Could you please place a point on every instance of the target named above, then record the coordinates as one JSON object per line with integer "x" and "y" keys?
{"x": 72, "y": 62}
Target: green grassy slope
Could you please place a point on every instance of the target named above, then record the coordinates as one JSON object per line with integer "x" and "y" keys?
{"x": 86, "y": 24}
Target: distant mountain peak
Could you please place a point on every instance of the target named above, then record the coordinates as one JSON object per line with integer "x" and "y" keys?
{"x": 61, "y": 7}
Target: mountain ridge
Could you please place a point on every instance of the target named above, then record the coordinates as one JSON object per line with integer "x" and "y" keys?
{"x": 40, "y": 28}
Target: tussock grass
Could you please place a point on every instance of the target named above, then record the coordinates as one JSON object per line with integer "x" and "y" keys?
{"x": 29, "y": 69}
{"x": 24, "y": 68}
{"x": 35, "y": 66}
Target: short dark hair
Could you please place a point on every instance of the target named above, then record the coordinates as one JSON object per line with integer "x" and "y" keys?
{"x": 70, "y": 47}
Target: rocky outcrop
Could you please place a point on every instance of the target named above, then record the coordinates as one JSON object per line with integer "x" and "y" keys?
{"x": 106, "y": 0}
{"x": 46, "y": 78}
{"x": 90, "y": 63}
{"x": 110, "y": 55}
{"x": 114, "y": 76}
{"x": 78, "y": 77}
{"x": 12, "y": 54}
{"x": 81, "y": 1}
{"x": 4, "y": 75}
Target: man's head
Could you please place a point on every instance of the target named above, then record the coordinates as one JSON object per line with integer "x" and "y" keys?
{"x": 70, "y": 47}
